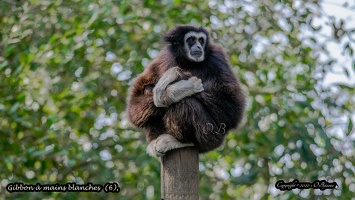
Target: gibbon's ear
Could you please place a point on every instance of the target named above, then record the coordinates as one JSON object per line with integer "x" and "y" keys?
{"x": 174, "y": 35}
{"x": 170, "y": 38}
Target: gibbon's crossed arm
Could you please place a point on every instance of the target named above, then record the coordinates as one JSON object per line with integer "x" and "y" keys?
{"x": 165, "y": 94}
{"x": 147, "y": 99}
{"x": 187, "y": 96}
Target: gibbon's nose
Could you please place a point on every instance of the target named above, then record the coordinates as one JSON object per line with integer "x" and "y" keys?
{"x": 196, "y": 48}
{"x": 196, "y": 51}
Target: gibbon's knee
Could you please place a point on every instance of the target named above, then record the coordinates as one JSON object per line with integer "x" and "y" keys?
{"x": 188, "y": 121}
{"x": 207, "y": 141}
{"x": 209, "y": 134}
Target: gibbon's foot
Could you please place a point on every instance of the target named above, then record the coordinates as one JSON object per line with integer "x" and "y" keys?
{"x": 163, "y": 144}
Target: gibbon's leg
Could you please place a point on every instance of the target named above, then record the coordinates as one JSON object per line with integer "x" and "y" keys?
{"x": 163, "y": 144}
{"x": 190, "y": 121}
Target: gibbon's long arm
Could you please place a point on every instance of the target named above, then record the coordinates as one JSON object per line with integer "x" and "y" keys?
{"x": 141, "y": 108}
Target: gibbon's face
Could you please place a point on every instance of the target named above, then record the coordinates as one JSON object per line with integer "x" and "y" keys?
{"x": 194, "y": 44}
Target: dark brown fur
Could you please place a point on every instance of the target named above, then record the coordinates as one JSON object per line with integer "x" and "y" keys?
{"x": 204, "y": 118}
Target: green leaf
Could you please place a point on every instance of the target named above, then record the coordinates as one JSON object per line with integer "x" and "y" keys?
{"x": 350, "y": 126}
{"x": 3, "y": 65}
{"x": 9, "y": 50}
{"x": 14, "y": 108}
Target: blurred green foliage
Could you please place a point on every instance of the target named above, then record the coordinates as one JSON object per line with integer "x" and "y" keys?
{"x": 65, "y": 67}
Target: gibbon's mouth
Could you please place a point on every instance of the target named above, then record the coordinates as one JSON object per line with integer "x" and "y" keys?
{"x": 196, "y": 54}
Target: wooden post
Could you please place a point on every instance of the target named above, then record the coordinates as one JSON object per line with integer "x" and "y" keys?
{"x": 179, "y": 174}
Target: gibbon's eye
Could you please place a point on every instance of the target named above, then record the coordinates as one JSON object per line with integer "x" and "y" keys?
{"x": 201, "y": 41}
{"x": 190, "y": 40}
